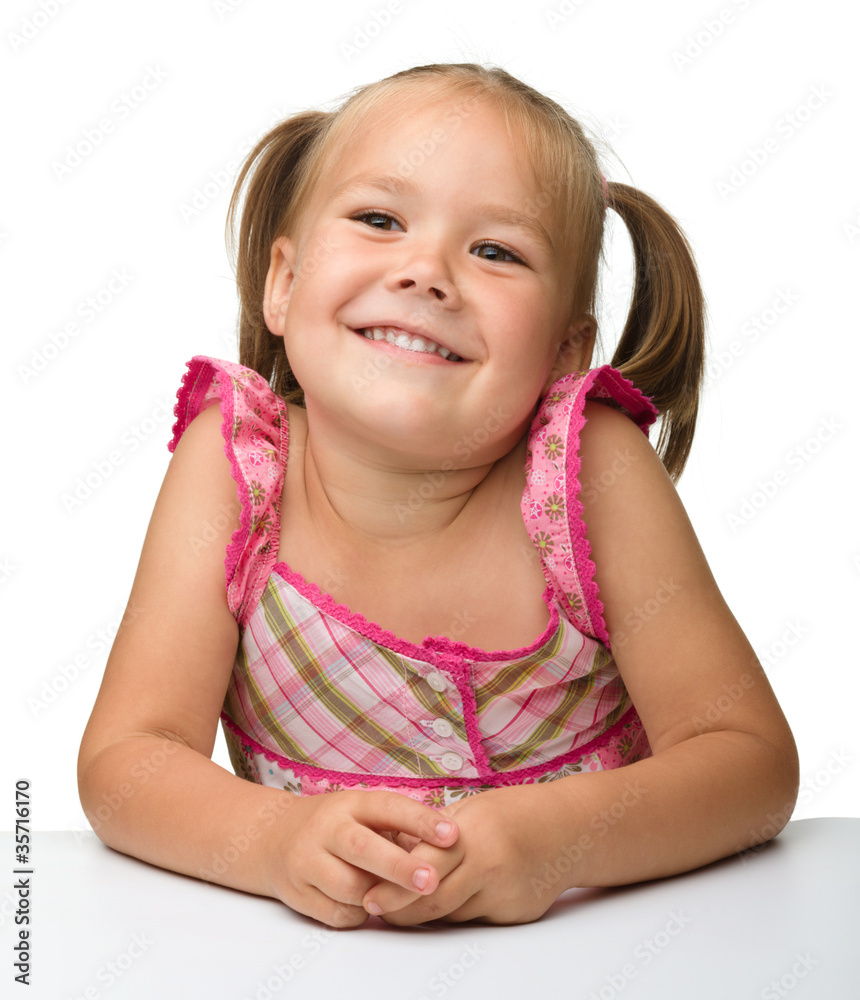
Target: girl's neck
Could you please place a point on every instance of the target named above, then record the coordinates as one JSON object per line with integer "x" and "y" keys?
{"x": 353, "y": 494}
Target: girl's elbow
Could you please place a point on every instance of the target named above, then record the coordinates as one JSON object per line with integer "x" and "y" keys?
{"x": 791, "y": 774}
{"x": 781, "y": 786}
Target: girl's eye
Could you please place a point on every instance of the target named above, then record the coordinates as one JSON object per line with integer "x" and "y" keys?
{"x": 499, "y": 249}
{"x": 366, "y": 216}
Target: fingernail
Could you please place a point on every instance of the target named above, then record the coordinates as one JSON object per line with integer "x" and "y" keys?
{"x": 374, "y": 909}
{"x": 443, "y": 829}
{"x": 419, "y": 879}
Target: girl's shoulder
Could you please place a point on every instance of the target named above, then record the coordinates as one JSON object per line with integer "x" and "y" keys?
{"x": 255, "y": 431}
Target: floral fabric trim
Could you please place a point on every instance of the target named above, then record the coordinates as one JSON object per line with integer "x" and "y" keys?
{"x": 256, "y": 440}
{"x": 550, "y": 503}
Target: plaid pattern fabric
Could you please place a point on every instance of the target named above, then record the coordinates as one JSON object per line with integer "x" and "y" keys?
{"x": 321, "y": 699}
{"x": 320, "y": 693}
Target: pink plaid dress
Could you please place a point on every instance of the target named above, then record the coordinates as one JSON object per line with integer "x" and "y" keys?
{"x": 322, "y": 699}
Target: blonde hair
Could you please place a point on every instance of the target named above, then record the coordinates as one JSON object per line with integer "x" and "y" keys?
{"x": 661, "y": 349}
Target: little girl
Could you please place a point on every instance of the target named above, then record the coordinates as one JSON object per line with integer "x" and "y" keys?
{"x": 415, "y": 553}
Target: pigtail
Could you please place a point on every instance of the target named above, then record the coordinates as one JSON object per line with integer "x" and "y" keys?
{"x": 277, "y": 167}
{"x": 662, "y": 345}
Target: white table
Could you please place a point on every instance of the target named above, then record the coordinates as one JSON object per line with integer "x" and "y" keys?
{"x": 783, "y": 921}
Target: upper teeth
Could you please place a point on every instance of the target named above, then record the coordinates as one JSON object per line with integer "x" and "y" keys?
{"x": 407, "y": 341}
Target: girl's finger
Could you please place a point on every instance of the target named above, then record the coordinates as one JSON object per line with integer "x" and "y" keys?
{"x": 369, "y": 852}
{"x": 316, "y": 904}
{"x": 454, "y": 897}
{"x": 402, "y": 814}
{"x": 361, "y": 842}
{"x": 388, "y": 896}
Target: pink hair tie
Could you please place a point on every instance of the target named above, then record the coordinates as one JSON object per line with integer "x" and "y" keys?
{"x": 605, "y": 192}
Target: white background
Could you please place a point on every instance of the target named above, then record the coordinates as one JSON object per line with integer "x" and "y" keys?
{"x": 680, "y": 125}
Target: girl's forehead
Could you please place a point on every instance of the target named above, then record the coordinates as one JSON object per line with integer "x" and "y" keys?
{"x": 405, "y": 139}
{"x": 410, "y": 109}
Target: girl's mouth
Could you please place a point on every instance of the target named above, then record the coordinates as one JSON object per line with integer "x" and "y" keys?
{"x": 407, "y": 341}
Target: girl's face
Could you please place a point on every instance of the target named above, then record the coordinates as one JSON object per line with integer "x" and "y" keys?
{"x": 432, "y": 229}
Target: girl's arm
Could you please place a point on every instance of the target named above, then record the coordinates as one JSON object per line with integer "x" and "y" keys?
{"x": 724, "y": 771}
{"x": 146, "y": 782}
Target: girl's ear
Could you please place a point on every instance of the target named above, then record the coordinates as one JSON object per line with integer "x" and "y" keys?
{"x": 279, "y": 284}
{"x": 574, "y": 352}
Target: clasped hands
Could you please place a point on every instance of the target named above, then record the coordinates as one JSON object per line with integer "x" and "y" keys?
{"x": 355, "y": 852}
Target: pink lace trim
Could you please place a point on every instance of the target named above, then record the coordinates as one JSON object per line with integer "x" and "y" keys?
{"x": 208, "y": 380}
{"x": 550, "y": 502}
{"x": 486, "y": 774}
{"x": 600, "y": 383}
{"x": 190, "y": 398}
{"x": 438, "y": 650}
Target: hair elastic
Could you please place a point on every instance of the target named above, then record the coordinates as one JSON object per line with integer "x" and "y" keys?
{"x": 605, "y": 191}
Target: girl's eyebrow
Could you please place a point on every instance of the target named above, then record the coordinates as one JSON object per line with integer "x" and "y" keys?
{"x": 502, "y": 215}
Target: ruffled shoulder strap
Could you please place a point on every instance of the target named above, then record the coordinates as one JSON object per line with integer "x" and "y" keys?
{"x": 256, "y": 436}
{"x": 551, "y": 506}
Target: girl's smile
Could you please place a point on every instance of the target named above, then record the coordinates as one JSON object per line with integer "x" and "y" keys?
{"x": 414, "y": 341}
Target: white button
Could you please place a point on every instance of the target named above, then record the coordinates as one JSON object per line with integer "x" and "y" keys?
{"x": 436, "y": 681}
{"x": 442, "y": 727}
{"x": 452, "y": 761}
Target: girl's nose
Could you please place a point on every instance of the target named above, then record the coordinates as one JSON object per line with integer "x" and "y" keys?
{"x": 426, "y": 274}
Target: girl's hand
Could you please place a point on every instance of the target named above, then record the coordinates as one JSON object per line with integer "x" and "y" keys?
{"x": 329, "y": 849}
{"x": 489, "y": 874}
